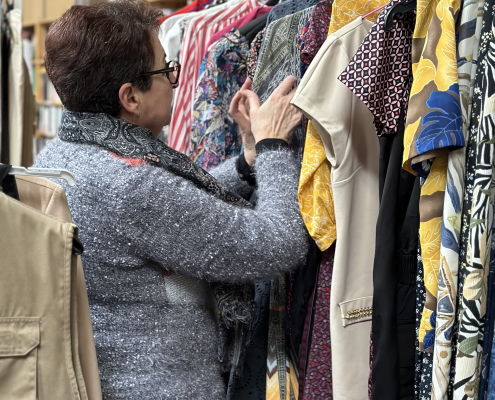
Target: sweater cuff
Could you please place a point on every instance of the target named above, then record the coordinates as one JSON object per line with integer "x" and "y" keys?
{"x": 246, "y": 173}
{"x": 270, "y": 144}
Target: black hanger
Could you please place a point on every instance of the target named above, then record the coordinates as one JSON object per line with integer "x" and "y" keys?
{"x": 254, "y": 24}
{"x": 8, "y": 184}
{"x": 398, "y": 11}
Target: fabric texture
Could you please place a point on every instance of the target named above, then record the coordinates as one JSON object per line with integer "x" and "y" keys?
{"x": 287, "y": 8}
{"x": 222, "y": 73}
{"x": 346, "y": 128}
{"x": 132, "y": 141}
{"x": 167, "y": 223}
{"x": 317, "y": 30}
{"x": 467, "y": 52}
{"x": 39, "y": 330}
{"x": 485, "y": 37}
{"x": 380, "y": 71}
{"x": 346, "y": 11}
{"x": 196, "y": 36}
{"x": 254, "y": 50}
{"x": 486, "y": 364}
{"x": 473, "y": 305}
{"x": 394, "y": 275}
{"x": 49, "y": 198}
{"x": 277, "y": 60}
{"x": 318, "y": 383}
{"x": 423, "y": 361}
{"x": 255, "y": 13}
{"x": 433, "y": 124}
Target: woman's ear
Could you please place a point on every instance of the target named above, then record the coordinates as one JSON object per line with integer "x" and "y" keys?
{"x": 129, "y": 99}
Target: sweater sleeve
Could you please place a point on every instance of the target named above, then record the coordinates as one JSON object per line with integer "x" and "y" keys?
{"x": 168, "y": 220}
{"x": 227, "y": 173}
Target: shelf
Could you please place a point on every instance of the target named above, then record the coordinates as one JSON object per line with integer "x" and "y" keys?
{"x": 42, "y": 135}
{"x": 50, "y": 103}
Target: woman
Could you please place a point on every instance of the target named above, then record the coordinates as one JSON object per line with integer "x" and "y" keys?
{"x": 156, "y": 228}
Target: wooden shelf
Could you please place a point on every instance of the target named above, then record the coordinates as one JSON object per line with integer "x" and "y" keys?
{"x": 49, "y": 103}
{"x": 42, "y": 135}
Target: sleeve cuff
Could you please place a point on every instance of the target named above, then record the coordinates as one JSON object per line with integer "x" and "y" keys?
{"x": 271, "y": 144}
{"x": 246, "y": 173}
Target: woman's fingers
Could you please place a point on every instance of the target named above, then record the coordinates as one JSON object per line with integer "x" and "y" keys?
{"x": 285, "y": 87}
{"x": 247, "y": 84}
{"x": 252, "y": 99}
{"x": 234, "y": 106}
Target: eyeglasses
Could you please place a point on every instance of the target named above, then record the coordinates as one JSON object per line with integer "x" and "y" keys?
{"x": 172, "y": 71}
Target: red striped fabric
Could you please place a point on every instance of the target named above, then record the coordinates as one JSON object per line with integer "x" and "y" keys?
{"x": 196, "y": 37}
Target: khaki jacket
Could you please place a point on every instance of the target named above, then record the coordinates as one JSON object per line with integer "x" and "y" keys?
{"x": 77, "y": 376}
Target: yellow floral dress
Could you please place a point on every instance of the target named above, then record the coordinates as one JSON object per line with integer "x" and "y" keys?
{"x": 433, "y": 127}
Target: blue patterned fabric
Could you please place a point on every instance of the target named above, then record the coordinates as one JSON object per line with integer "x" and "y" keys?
{"x": 221, "y": 75}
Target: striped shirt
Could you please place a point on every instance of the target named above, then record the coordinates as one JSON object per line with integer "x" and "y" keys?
{"x": 197, "y": 35}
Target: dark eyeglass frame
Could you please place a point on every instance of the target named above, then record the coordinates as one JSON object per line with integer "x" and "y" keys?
{"x": 173, "y": 66}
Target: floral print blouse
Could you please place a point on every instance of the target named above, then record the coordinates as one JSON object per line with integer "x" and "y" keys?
{"x": 223, "y": 71}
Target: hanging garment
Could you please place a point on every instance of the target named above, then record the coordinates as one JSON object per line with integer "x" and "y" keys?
{"x": 489, "y": 378}
{"x": 289, "y": 7}
{"x": 277, "y": 60}
{"x": 38, "y": 331}
{"x": 346, "y": 11}
{"x": 16, "y": 88}
{"x": 485, "y": 37}
{"x": 281, "y": 377}
{"x": 193, "y": 6}
{"x": 433, "y": 126}
{"x": 486, "y": 364}
{"x": 380, "y": 71}
{"x": 255, "y": 13}
{"x": 394, "y": 275}
{"x": 467, "y": 52}
{"x": 317, "y": 30}
{"x": 254, "y": 50}
{"x": 423, "y": 361}
{"x": 300, "y": 302}
{"x": 198, "y": 32}
{"x": 222, "y": 73}
{"x": 346, "y": 128}
{"x": 473, "y": 305}
{"x": 49, "y": 198}
{"x": 171, "y": 32}
{"x": 318, "y": 380}
{"x": 314, "y": 192}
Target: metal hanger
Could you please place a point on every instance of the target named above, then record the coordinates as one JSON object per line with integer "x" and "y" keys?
{"x": 45, "y": 173}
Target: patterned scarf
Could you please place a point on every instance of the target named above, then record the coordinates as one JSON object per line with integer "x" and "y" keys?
{"x": 235, "y": 301}
{"x": 132, "y": 141}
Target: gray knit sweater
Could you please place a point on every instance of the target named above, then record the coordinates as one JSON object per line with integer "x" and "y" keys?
{"x": 156, "y": 335}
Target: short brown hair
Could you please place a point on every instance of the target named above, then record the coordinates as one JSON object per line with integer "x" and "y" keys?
{"x": 91, "y": 51}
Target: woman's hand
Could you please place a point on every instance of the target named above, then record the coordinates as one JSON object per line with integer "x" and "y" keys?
{"x": 276, "y": 118}
{"x": 239, "y": 110}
